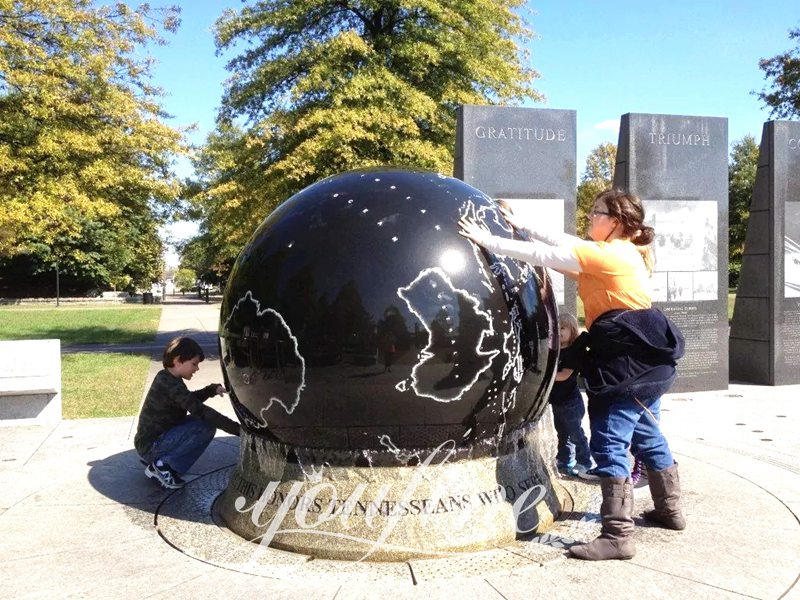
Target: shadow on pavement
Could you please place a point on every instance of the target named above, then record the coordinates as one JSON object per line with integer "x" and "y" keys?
{"x": 120, "y": 477}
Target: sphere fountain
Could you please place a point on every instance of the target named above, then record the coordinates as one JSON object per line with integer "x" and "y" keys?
{"x": 389, "y": 375}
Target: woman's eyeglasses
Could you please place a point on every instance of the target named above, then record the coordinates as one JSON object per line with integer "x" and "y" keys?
{"x": 594, "y": 213}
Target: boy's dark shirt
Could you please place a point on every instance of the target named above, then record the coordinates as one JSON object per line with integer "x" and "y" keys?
{"x": 166, "y": 405}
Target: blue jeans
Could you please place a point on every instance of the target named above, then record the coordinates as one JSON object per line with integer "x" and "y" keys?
{"x": 182, "y": 445}
{"x": 622, "y": 424}
{"x": 573, "y": 447}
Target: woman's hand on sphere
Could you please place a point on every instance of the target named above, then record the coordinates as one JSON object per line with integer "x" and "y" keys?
{"x": 473, "y": 231}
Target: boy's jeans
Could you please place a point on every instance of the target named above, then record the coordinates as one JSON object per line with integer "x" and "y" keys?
{"x": 182, "y": 445}
{"x": 573, "y": 447}
{"x": 625, "y": 423}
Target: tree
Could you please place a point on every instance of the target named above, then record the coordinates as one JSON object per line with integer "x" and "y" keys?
{"x": 84, "y": 155}
{"x": 597, "y": 176}
{"x": 230, "y": 198}
{"x": 185, "y": 279}
{"x": 741, "y": 181}
{"x": 324, "y": 86}
{"x": 201, "y": 256}
{"x": 124, "y": 254}
{"x": 784, "y": 70}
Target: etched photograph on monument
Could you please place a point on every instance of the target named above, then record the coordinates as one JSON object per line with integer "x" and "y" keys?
{"x": 679, "y": 286}
{"x": 704, "y": 285}
{"x": 658, "y": 287}
{"x": 547, "y": 214}
{"x": 791, "y": 251}
{"x": 685, "y": 249}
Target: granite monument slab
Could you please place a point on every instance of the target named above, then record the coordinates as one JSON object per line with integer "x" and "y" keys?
{"x": 525, "y": 156}
{"x": 678, "y": 166}
{"x": 30, "y": 382}
{"x": 765, "y": 329}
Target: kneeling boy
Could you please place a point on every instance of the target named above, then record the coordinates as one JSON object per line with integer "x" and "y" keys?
{"x": 168, "y": 439}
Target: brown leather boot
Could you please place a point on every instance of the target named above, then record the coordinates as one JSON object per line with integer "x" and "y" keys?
{"x": 616, "y": 536}
{"x": 665, "y": 487}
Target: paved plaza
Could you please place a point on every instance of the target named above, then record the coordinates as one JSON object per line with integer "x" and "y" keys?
{"x": 79, "y": 519}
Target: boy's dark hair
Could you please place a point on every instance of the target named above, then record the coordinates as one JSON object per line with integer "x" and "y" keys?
{"x": 184, "y": 348}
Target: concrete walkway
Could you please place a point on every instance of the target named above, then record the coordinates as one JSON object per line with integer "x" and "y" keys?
{"x": 79, "y": 519}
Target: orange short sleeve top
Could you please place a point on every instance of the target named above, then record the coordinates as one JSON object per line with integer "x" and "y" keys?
{"x": 612, "y": 276}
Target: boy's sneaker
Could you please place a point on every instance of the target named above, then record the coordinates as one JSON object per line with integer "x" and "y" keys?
{"x": 165, "y": 475}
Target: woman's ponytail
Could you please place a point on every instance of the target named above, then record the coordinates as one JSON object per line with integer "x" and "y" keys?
{"x": 644, "y": 236}
{"x": 647, "y": 257}
{"x": 628, "y": 210}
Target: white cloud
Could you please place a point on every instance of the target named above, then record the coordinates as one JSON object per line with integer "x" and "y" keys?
{"x": 183, "y": 230}
{"x": 612, "y": 124}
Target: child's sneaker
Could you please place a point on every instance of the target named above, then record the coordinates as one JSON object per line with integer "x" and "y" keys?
{"x": 165, "y": 475}
{"x": 589, "y": 475}
{"x": 636, "y": 474}
{"x": 565, "y": 470}
{"x": 639, "y": 475}
{"x": 579, "y": 468}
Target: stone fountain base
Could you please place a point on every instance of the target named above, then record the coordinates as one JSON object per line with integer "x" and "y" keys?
{"x": 430, "y": 503}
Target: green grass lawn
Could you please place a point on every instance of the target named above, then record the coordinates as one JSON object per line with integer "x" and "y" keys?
{"x": 102, "y": 384}
{"x": 731, "y": 302}
{"x": 80, "y": 324}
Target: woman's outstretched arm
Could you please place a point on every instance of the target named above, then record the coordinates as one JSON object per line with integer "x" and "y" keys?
{"x": 536, "y": 253}
{"x": 551, "y": 238}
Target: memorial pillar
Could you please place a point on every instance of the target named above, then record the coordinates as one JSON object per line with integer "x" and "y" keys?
{"x": 765, "y": 329}
{"x": 678, "y": 166}
{"x": 525, "y": 156}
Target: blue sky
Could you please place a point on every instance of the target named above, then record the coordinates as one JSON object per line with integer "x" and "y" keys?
{"x": 600, "y": 58}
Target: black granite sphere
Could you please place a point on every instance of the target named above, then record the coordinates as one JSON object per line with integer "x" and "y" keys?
{"x": 358, "y": 319}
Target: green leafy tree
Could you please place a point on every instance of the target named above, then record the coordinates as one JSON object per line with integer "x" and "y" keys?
{"x": 741, "y": 181}
{"x": 124, "y": 254}
{"x": 185, "y": 279}
{"x": 201, "y": 256}
{"x": 597, "y": 176}
{"x": 783, "y": 97}
{"x": 230, "y": 198}
{"x": 324, "y": 86}
{"x": 85, "y": 159}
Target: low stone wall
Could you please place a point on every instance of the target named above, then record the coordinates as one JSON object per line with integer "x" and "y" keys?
{"x": 30, "y": 382}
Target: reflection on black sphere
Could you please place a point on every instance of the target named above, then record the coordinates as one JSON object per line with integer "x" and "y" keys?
{"x": 357, "y": 318}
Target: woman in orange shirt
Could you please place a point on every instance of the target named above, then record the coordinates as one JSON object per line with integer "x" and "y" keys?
{"x": 630, "y": 362}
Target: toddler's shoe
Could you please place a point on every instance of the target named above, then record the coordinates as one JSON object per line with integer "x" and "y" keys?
{"x": 566, "y": 470}
{"x": 589, "y": 475}
{"x": 639, "y": 475}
